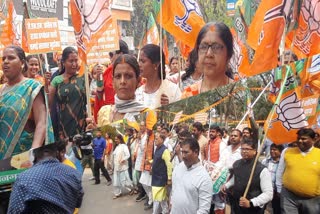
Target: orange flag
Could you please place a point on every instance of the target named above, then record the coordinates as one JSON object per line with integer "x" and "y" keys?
{"x": 310, "y": 76}
{"x": 8, "y": 36}
{"x": 265, "y": 33}
{"x": 306, "y": 38}
{"x": 287, "y": 115}
{"x": 152, "y": 36}
{"x": 89, "y": 22}
{"x": 165, "y": 46}
{"x": 182, "y": 19}
{"x": 184, "y": 49}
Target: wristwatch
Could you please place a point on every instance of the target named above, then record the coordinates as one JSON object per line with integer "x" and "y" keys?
{"x": 251, "y": 204}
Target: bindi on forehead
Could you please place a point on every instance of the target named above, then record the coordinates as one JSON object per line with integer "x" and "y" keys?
{"x": 212, "y": 28}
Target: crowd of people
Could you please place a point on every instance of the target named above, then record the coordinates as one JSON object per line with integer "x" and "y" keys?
{"x": 171, "y": 169}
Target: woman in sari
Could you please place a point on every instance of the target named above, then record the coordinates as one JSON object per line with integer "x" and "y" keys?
{"x": 121, "y": 177}
{"x": 126, "y": 78}
{"x": 69, "y": 88}
{"x": 24, "y": 120}
{"x": 214, "y": 47}
{"x": 33, "y": 68}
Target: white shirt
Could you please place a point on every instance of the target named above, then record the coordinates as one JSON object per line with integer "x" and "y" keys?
{"x": 266, "y": 188}
{"x": 282, "y": 167}
{"x": 153, "y": 100}
{"x": 191, "y": 190}
{"x": 140, "y": 152}
{"x": 228, "y": 157}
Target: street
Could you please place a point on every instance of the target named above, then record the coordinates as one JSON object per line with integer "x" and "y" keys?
{"x": 98, "y": 199}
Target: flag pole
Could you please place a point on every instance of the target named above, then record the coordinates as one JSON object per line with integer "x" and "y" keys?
{"x": 87, "y": 85}
{"x": 161, "y": 45}
{"x": 266, "y": 131}
{"x": 253, "y": 104}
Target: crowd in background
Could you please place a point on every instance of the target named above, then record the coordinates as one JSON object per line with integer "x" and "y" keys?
{"x": 170, "y": 169}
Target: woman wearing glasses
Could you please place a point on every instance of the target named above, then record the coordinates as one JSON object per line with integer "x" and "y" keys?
{"x": 214, "y": 47}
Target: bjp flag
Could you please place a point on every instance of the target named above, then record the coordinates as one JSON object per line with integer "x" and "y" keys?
{"x": 152, "y": 35}
{"x": 265, "y": 34}
{"x": 8, "y": 35}
{"x": 184, "y": 48}
{"x": 306, "y": 38}
{"x": 240, "y": 60}
{"x": 287, "y": 115}
{"x": 90, "y": 19}
{"x": 165, "y": 46}
{"x": 182, "y": 19}
{"x": 310, "y": 76}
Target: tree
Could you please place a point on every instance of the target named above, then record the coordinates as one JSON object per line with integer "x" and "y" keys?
{"x": 215, "y": 10}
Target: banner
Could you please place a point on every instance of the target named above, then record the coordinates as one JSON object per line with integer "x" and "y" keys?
{"x": 43, "y": 35}
{"x": 46, "y": 9}
{"x": 108, "y": 42}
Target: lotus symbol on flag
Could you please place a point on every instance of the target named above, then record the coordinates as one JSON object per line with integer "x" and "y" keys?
{"x": 190, "y": 6}
{"x": 310, "y": 13}
{"x": 91, "y": 16}
{"x": 290, "y": 113}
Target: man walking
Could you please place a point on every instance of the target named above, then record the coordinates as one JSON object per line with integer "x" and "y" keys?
{"x": 191, "y": 184}
{"x": 99, "y": 147}
{"x": 300, "y": 170}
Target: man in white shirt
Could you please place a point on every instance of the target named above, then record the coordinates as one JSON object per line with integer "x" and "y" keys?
{"x": 260, "y": 191}
{"x": 191, "y": 184}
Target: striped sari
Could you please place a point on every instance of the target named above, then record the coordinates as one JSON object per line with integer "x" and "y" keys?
{"x": 15, "y": 110}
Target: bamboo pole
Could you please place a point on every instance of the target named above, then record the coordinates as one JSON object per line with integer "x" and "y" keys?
{"x": 266, "y": 131}
{"x": 253, "y": 104}
{"x": 87, "y": 85}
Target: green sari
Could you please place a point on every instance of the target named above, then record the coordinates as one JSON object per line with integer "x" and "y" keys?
{"x": 15, "y": 108}
{"x": 71, "y": 97}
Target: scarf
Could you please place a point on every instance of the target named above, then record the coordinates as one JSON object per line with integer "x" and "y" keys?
{"x": 128, "y": 106}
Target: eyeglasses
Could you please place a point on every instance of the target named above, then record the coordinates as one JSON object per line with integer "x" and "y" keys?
{"x": 215, "y": 47}
{"x": 246, "y": 149}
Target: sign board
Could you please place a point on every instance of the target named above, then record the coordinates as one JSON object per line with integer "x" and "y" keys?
{"x": 108, "y": 42}
{"x": 309, "y": 105}
{"x": 231, "y": 7}
{"x": 41, "y": 9}
{"x": 43, "y": 35}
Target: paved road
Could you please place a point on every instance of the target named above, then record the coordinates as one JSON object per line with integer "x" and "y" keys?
{"x": 98, "y": 199}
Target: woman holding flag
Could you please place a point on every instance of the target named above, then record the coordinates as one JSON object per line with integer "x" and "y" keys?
{"x": 158, "y": 90}
{"x": 214, "y": 47}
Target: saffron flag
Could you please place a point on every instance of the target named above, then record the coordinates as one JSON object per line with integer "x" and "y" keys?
{"x": 165, "y": 46}
{"x": 310, "y": 76}
{"x": 287, "y": 115}
{"x": 243, "y": 54}
{"x": 152, "y": 34}
{"x": 184, "y": 48}
{"x": 8, "y": 35}
{"x": 306, "y": 38}
{"x": 181, "y": 18}
{"x": 90, "y": 19}
{"x": 265, "y": 34}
